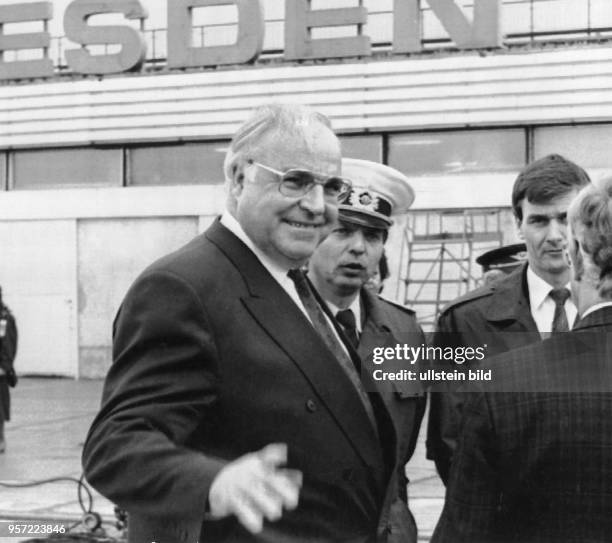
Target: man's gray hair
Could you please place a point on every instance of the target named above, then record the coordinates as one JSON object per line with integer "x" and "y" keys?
{"x": 284, "y": 119}
{"x": 590, "y": 218}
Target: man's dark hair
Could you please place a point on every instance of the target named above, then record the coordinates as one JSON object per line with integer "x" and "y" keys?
{"x": 546, "y": 179}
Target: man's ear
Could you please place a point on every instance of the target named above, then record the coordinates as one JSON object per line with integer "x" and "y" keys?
{"x": 237, "y": 180}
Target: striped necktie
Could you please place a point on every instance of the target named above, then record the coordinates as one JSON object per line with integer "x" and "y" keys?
{"x": 559, "y": 296}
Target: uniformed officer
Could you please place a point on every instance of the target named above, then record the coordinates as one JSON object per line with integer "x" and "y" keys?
{"x": 339, "y": 269}
{"x": 527, "y": 305}
{"x": 8, "y": 377}
{"x": 499, "y": 262}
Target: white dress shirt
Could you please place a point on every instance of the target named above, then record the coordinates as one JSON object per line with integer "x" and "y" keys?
{"x": 279, "y": 273}
{"x": 355, "y": 307}
{"x": 543, "y": 306}
{"x": 595, "y": 307}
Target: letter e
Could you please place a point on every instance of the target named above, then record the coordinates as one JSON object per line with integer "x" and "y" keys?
{"x": 299, "y": 21}
{"x": 18, "y": 13}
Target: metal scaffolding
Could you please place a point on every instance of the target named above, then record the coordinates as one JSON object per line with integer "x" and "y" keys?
{"x": 437, "y": 259}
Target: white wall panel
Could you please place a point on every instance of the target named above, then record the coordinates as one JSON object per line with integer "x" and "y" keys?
{"x": 38, "y": 278}
{"x": 111, "y": 202}
{"x": 111, "y": 254}
{"x": 454, "y": 91}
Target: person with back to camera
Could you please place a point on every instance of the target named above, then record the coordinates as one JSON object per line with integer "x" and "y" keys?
{"x": 533, "y": 462}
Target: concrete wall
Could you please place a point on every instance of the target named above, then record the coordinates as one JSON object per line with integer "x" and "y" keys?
{"x": 111, "y": 254}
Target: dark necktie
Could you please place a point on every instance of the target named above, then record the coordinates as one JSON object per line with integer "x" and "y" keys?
{"x": 324, "y": 330}
{"x": 347, "y": 319}
{"x": 559, "y": 296}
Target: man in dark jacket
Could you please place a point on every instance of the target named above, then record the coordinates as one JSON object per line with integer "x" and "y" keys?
{"x": 230, "y": 412}
{"x": 8, "y": 377}
{"x": 339, "y": 269}
{"x": 520, "y": 308}
{"x": 533, "y": 463}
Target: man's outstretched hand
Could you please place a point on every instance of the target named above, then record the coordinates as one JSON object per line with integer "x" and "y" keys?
{"x": 255, "y": 486}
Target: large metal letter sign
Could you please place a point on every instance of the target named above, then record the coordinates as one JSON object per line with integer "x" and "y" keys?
{"x": 300, "y": 19}
{"x": 406, "y": 26}
{"x": 247, "y": 48}
{"x": 485, "y": 31}
{"x": 17, "y": 13}
{"x": 133, "y": 47}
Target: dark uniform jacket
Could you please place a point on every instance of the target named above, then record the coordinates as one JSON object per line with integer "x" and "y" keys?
{"x": 535, "y": 465}
{"x": 213, "y": 360}
{"x": 385, "y": 325}
{"x": 496, "y": 315}
{"x": 8, "y": 351}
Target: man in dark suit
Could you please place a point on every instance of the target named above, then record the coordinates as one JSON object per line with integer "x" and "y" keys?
{"x": 8, "y": 377}
{"x": 520, "y": 308}
{"x": 534, "y": 462}
{"x": 339, "y": 269}
{"x": 231, "y": 412}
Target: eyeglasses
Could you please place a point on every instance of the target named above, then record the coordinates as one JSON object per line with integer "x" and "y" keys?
{"x": 295, "y": 183}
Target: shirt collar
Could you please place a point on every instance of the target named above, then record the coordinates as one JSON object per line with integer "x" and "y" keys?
{"x": 355, "y": 307}
{"x": 538, "y": 289}
{"x": 594, "y": 308}
{"x": 277, "y": 271}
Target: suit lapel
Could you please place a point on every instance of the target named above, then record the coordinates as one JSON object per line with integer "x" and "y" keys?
{"x": 377, "y": 332}
{"x": 599, "y": 318}
{"x": 505, "y": 305}
{"x": 511, "y": 314}
{"x": 287, "y": 326}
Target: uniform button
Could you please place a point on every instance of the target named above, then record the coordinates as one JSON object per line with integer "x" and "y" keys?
{"x": 311, "y": 406}
{"x": 347, "y": 475}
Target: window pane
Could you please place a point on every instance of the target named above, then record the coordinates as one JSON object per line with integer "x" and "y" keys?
{"x": 187, "y": 164}
{"x": 46, "y": 169}
{"x": 587, "y": 145}
{"x": 365, "y": 147}
{"x": 2, "y": 171}
{"x": 445, "y": 153}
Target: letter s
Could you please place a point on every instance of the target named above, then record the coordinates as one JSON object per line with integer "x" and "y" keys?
{"x": 133, "y": 47}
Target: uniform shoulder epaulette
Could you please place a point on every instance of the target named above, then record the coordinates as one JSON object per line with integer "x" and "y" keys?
{"x": 476, "y": 294}
{"x": 396, "y": 305}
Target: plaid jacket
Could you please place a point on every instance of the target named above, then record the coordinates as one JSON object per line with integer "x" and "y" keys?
{"x": 536, "y": 464}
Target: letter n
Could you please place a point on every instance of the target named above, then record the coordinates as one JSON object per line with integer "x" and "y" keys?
{"x": 484, "y": 32}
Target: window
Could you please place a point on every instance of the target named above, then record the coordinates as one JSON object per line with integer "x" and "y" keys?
{"x": 186, "y": 164}
{"x": 587, "y": 145}
{"x": 3, "y": 184}
{"x": 447, "y": 153}
{"x": 66, "y": 168}
{"x": 365, "y": 147}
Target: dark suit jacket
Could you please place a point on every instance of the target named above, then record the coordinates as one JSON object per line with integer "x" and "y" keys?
{"x": 385, "y": 325}
{"x": 213, "y": 360}
{"x": 536, "y": 464}
{"x": 8, "y": 351}
{"x": 496, "y": 315}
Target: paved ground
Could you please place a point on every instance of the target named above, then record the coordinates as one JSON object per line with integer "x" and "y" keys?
{"x": 44, "y": 440}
